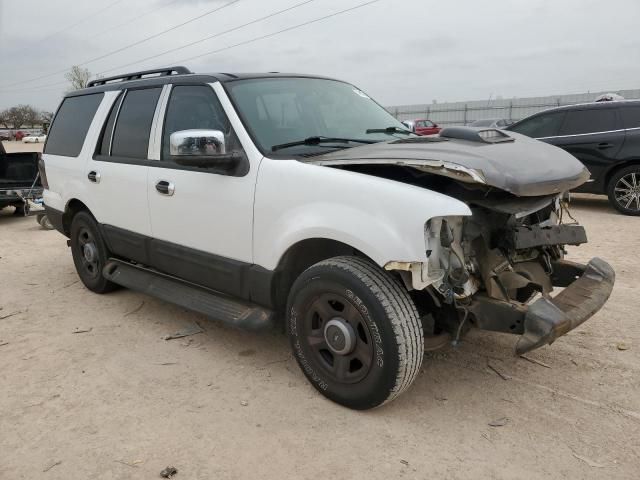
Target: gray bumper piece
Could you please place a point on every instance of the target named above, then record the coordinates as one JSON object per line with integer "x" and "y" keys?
{"x": 550, "y": 318}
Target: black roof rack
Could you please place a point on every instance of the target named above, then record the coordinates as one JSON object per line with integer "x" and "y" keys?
{"x": 137, "y": 75}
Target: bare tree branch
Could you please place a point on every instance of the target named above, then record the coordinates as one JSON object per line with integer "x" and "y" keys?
{"x": 78, "y": 77}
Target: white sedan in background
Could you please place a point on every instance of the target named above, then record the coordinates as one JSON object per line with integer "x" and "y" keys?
{"x": 34, "y": 138}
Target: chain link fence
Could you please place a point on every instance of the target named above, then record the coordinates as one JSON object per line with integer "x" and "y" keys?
{"x": 463, "y": 113}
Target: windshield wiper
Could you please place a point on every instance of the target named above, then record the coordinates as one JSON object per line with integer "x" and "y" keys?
{"x": 318, "y": 141}
{"x": 389, "y": 130}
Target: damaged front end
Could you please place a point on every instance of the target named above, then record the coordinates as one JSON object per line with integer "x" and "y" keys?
{"x": 498, "y": 268}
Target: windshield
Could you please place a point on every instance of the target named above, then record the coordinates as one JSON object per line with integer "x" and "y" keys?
{"x": 278, "y": 111}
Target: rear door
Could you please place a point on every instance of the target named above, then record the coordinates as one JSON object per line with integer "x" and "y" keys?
{"x": 594, "y": 136}
{"x": 118, "y": 172}
{"x": 630, "y": 151}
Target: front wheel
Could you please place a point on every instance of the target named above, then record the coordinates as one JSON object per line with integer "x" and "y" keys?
{"x": 624, "y": 190}
{"x": 355, "y": 332}
{"x": 89, "y": 253}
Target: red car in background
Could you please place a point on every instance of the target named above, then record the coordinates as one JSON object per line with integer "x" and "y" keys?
{"x": 422, "y": 127}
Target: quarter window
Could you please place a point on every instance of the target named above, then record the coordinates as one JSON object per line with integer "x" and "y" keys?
{"x": 71, "y": 124}
{"x": 133, "y": 125}
{"x": 589, "y": 121}
{"x": 544, "y": 125}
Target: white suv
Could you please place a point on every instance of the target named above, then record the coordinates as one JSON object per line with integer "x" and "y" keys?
{"x": 254, "y": 198}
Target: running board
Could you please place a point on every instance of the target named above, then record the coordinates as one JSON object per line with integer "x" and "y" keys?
{"x": 202, "y": 300}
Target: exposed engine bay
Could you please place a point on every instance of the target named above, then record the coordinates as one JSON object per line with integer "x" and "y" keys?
{"x": 489, "y": 269}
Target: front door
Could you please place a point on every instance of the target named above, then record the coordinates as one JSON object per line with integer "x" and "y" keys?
{"x": 594, "y": 136}
{"x": 202, "y": 219}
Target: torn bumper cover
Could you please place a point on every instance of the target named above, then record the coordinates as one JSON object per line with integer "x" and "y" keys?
{"x": 588, "y": 287}
{"x": 548, "y": 319}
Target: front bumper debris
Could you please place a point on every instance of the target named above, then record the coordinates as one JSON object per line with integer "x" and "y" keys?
{"x": 588, "y": 287}
{"x": 549, "y": 318}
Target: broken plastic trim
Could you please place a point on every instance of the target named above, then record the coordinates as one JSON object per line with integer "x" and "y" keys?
{"x": 418, "y": 272}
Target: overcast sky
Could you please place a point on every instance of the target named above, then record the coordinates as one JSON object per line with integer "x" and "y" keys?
{"x": 399, "y": 51}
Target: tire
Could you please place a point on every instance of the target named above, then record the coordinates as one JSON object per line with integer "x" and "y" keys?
{"x": 89, "y": 253}
{"x": 623, "y": 190}
{"x": 355, "y": 332}
{"x": 46, "y": 223}
{"x": 22, "y": 210}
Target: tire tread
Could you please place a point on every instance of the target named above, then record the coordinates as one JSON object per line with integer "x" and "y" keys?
{"x": 401, "y": 311}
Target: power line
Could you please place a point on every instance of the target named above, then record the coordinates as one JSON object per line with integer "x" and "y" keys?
{"x": 131, "y": 20}
{"x": 82, "y": 20}
{"x": 288, "y": 29}
{"x": 210, "y": 36}
{"x": 269, "y": 35}
{"x": 146, "y": 39}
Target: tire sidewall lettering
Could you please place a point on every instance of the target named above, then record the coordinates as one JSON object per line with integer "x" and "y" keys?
{"x": 373, "y": 327}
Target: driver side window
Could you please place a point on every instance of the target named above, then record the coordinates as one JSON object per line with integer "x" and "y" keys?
{"x": 540, "y": 126}
{"x": 196, "y": 107}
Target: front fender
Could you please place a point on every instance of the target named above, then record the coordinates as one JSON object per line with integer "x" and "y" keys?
{"x": 384, "y": 219}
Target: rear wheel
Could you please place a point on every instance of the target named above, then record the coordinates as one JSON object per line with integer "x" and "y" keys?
{"x": 355, "y": 332}
{"x": 89, "y": 253}
{"x": 22, "y": 210}
{"x": 624, "y": 190}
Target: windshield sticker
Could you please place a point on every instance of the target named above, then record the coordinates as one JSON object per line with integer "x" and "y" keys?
{"x": 361, "y": 93}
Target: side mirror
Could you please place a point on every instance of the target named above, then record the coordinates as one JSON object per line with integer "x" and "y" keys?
{"x": 201, "y": 148}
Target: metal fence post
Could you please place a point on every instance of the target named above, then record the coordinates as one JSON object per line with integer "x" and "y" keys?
{"x": 466, "y": 105}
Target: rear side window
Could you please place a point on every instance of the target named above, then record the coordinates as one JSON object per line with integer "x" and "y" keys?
{"x": 133, "y": 125}
{"x": 630, "y": 117}
{"x": 589, "y": 121}
{"x": 545, "y": 125}
{"x": 105, "y": 142}
{"x": 71, "y": 124}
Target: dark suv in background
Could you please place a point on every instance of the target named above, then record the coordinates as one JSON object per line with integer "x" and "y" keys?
{"x": 605, "y": 137}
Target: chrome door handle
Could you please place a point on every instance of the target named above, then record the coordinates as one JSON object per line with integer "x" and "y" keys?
{"x": 165, "y": 188}
{"x": 94, "y": 176}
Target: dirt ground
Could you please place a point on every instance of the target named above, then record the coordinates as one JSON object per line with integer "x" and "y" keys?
{"x": 91, "y": 390}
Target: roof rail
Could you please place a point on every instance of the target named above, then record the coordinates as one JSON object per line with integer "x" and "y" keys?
{"x": 137, "y": 75}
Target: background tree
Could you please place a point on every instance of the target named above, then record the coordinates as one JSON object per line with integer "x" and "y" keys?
{"x": 45, "y": 119}
{"x": 78, "y": 77}
{"x": 3, "y": 119}
{"x": 18, "y": 116}
{"x": 32, "y": 116}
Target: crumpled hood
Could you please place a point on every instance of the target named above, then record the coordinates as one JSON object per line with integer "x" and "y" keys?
{"x": 524, "y": 167}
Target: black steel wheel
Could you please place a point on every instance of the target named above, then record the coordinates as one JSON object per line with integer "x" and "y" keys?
{"x": 624, "y": 190}
{"x": 89, "y": 253}
{"x": 355, "y": 332}
{"x": 339, "y": 337}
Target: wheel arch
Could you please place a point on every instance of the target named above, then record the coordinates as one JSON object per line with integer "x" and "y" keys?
{"x": 302, "y": 255}
{"x": 72, "y": 208}
{"x": 619, "y": 166}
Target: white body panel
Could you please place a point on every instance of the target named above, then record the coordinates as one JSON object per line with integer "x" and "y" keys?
{"x": 120, "y": 198}
{"x": 67, "y": 176}
{"x": 382, "y": 218}
{"x": 208, "y": 212}
{"x": 255, "y": 218}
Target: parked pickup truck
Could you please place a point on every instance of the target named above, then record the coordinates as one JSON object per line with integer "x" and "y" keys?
{"x": 258, "y": 198}
{"x": 19, "y": 180}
